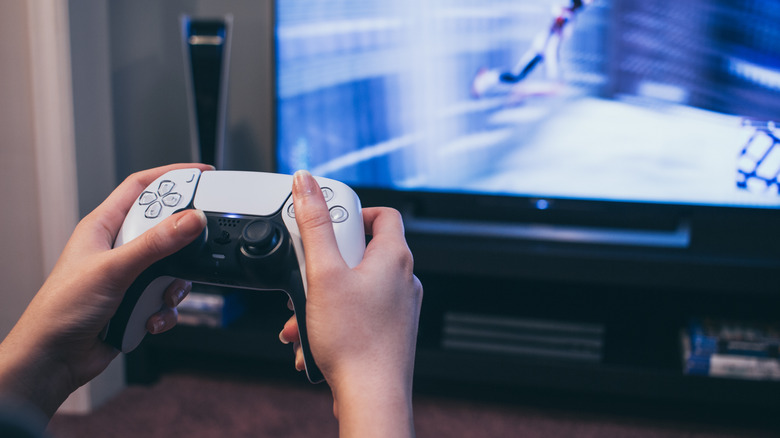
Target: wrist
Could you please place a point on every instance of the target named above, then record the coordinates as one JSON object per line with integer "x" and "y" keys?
{"x": 29, "y": 375}
{"x": 374, "y": 404}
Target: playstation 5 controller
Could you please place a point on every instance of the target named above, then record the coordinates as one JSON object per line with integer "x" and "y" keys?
{"x": 251, "y": 241}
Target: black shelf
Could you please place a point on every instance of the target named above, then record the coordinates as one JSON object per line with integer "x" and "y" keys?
{"x": 642, "y": 358}
{"x": 646, "y": 383}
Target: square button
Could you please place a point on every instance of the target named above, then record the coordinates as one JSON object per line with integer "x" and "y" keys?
{"x": 147, "y": 198}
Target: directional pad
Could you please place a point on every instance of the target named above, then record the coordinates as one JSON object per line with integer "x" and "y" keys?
{"x": 165, "y": 196}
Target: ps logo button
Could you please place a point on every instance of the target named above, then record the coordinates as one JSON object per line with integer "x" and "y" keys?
{"x": 165, "y": 187}
{"x": 223, "y": 238}
{"x": 338, "y": 214}
{"x": 153, "y": 210}
{"x": 171, "y": 199}
{"x": 147, "y": 198}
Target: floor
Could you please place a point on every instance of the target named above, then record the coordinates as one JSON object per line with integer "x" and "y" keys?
{"x": 194, "y": 404}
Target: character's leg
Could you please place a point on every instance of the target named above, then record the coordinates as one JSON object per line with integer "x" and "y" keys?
{"x": 553, "y": 57}
{"x": 529, "y": 61}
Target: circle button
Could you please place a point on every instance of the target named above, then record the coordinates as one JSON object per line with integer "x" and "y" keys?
{"x": 338, "y": 214}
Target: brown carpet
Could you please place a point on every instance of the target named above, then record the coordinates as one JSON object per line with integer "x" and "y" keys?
{"x": 207, "y": 405}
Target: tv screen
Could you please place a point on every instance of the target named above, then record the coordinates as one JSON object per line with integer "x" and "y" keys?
{"x": 660, "y": 102}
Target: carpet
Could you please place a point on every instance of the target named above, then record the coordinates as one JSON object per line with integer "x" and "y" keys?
{"x": 192, "y": 404}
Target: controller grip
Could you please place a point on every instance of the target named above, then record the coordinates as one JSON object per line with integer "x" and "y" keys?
{"x": 144, "y": 298}
{"x": 298, "y": 298}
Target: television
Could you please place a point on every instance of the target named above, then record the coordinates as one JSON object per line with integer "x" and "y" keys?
{"x": 608, "y": 141}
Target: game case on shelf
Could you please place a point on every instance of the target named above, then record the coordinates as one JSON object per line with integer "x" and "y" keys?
{"x": 731, "y": 349}
{"x": 710, "y": 336}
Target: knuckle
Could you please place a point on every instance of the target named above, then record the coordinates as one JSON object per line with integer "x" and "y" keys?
{"x": 418, "y": 289}
{"x": 135, "y": 179}
{"x": 323, "y": 272}
{"x": 406, "y": 259}
{"x": 155, "y": 243}
{"x": 311, "y": 220}
{"x": 392, "y": 214}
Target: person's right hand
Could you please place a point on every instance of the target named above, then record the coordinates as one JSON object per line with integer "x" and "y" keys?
{"x": 56, "y": 346}
{"x": 362, "y": 322}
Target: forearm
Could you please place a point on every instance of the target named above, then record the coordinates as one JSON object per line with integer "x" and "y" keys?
{"x": 29, "y": 375}
{"x": 374, "y": 407}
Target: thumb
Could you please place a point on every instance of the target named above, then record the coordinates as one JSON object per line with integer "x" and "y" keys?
{"x": 164, "y": 239}
{"x": 313, "y": 219}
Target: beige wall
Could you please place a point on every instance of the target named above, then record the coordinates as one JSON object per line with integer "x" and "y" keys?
{"x": 39, "y": 188}
{"x": 21, "y": 258}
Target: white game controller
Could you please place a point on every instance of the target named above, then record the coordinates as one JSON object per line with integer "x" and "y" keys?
{"x": 251, "y": 241}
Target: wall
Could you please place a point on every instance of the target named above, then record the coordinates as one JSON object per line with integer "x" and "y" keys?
{"x": 92, "y": 106}
{"x": 150, "y": 98}
{"x": 94, "y": 151}
{"x": 41, "y": 172}
{"x": 21, "y": 268}
{"x": 61, "y": 153}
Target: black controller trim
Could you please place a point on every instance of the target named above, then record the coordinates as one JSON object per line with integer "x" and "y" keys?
{"x": 115, "y": 331}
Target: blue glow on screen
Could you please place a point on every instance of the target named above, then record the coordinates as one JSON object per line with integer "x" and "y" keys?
{"x": 664, "y": 101}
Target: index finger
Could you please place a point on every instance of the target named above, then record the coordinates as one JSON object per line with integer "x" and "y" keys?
{"x": 382, "y": 221}
{"x": 386, "y": 227}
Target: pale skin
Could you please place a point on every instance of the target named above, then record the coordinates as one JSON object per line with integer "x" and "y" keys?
{"x": 362, "y": 321}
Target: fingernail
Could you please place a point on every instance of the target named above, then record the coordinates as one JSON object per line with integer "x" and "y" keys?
{"x": 191, "y": 223}
{"x": 303, "y": 183}
{"x": 282, "y": 338}
{"x": 178, "y": 297}
{"x": 158, "y": 326}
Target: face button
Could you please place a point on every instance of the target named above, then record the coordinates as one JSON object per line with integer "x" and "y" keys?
{"x": 291, "y": 211}
{"x": 171, "y": 199}
{"x": 165, "y": 187}
{"x": 338, "y": 214}
{"x": 147, "y": 198}
{"x": 153, "y": 210}
{"x": 327, "y": 193}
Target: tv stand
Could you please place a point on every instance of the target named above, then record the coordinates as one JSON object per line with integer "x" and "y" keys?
{"x": 640, "y": 357}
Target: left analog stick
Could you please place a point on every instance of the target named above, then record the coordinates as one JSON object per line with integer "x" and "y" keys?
{"x": 259, "y": 238}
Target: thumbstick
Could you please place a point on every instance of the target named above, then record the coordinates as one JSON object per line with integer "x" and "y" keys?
{"x": 259, "y": 238}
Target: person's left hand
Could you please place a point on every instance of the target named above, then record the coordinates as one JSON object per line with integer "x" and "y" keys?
{"x": 55, "y": 346}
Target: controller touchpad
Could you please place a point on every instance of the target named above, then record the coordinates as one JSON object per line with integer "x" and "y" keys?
{"x": 246, "y": 193}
